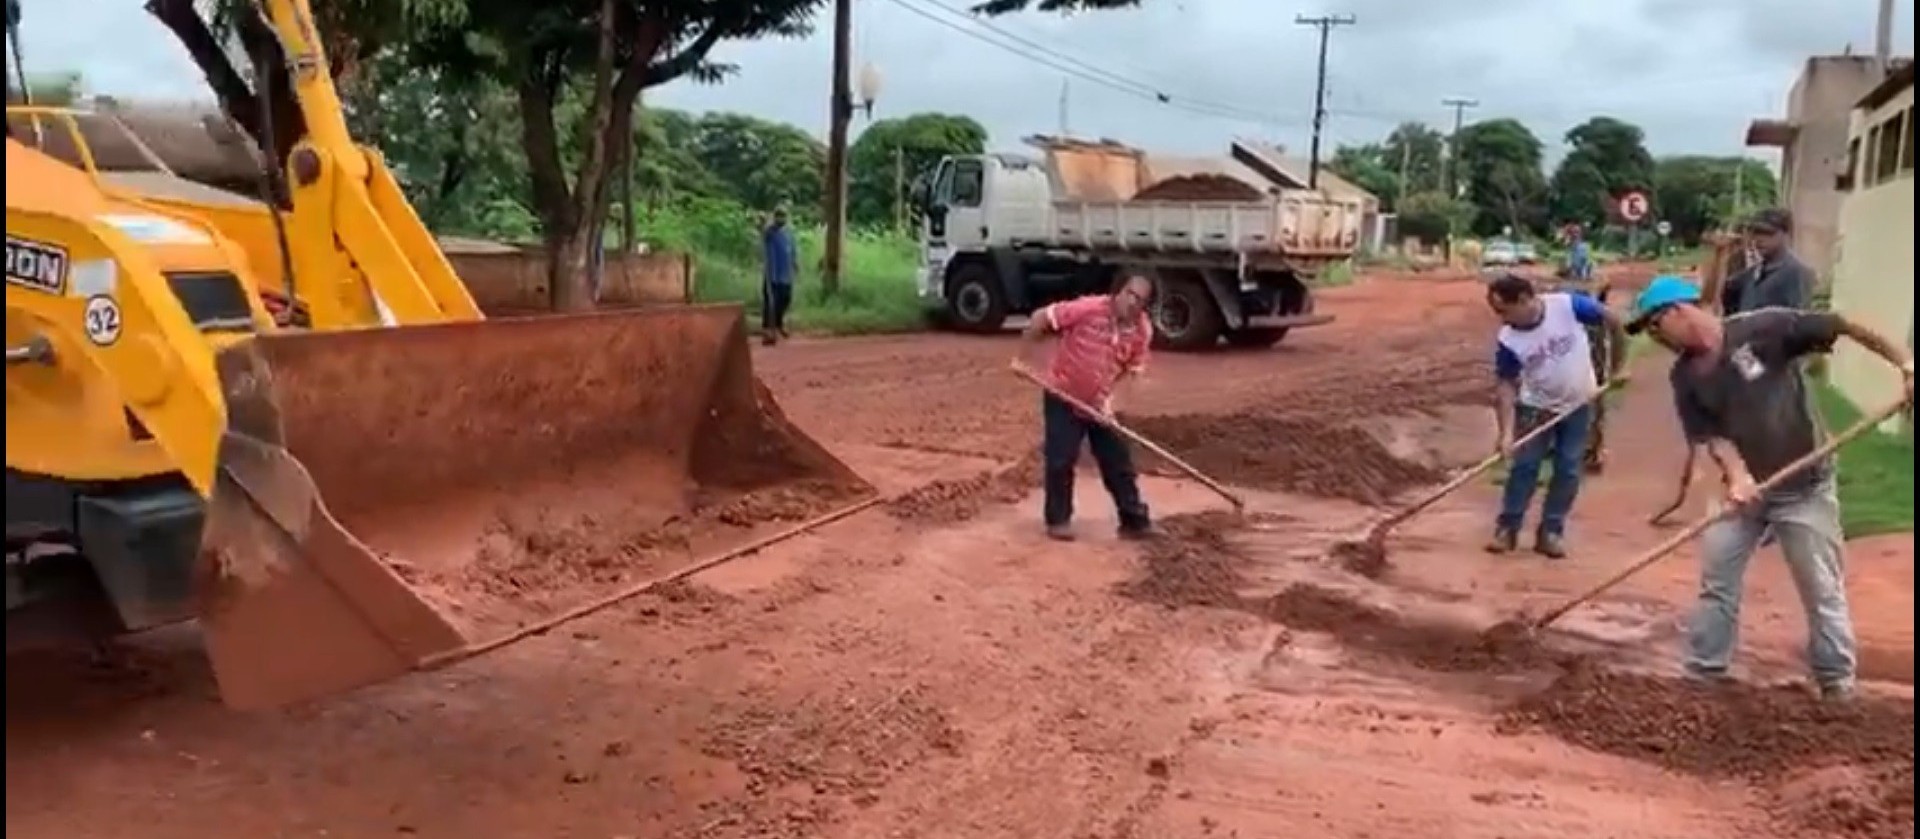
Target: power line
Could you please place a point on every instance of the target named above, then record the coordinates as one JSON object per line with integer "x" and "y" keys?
{"x": 1092, "y": 73}
{"x": 1324, "y": 23}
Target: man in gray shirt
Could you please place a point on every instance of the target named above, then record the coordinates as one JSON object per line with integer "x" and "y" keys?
{"x": 1743, "y": 399}
{"x": 1780, "y": 278}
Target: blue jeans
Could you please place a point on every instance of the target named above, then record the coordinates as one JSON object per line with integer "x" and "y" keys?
{"x": 1566, "y": 444}
{"x": 774, "y": 304}
{"x": 1060, "y": 449}
{"x": 1807, "y": 524}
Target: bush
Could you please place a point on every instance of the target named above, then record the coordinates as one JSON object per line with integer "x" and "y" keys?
{"x": 876, "y": 278}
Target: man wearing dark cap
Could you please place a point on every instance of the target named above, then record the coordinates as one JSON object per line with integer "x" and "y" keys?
{"x": 1780, "y": 279}
{"x": 1742, "y": 398}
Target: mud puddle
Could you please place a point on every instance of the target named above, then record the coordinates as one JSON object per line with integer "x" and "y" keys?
{"x": 1838, "y": 770}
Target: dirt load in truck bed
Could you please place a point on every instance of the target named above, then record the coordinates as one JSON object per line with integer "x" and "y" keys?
{"x": 1200, "y": 188}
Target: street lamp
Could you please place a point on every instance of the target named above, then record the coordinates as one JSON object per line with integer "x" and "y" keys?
{"x": 866, "y": 90}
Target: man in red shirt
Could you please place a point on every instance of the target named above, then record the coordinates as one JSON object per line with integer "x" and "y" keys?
{"x": 1103, "y": 339}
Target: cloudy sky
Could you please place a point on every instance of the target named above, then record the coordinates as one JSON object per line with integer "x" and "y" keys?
{"x": 1187, "y": 75}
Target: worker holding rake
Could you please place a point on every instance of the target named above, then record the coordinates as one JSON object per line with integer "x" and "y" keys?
{"x": 1742, "y": 398}
{"x": 1103, "y": 339}
{"x": 1544, "y": 365}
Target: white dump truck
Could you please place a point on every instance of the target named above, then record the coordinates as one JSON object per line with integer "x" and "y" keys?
{"x": 1232, "y": 248}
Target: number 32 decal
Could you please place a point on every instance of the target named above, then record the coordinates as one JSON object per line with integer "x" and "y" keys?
{"x": 102, "y": 320}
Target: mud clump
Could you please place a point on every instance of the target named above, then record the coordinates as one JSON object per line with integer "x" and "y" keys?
{"x": 1761, "y": 735}
{"x": 1715, "y": 730}
{"x": 1190, "y": 563}
{"x": 1434, "y": 646}
{"x": 1287, "y": 453}
{"x": 1203, "y": 187}
{"x": 960, "y": 499}
{"x": 1366, "y": 557}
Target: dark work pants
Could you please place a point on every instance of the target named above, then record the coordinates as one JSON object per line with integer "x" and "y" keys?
{"x": 1060, "y": 448}
{"x": 773, "y": 309}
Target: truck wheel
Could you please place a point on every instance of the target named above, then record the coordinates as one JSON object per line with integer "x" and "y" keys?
{"x": 975, "y": 301}
{"x": 1256, "y": 338}
{"x": 1185, "y": 317}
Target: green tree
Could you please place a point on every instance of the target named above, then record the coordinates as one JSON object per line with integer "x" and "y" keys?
{"x": 877, "y": 180}
{"x": 1417, "y": 149}
{"x": 1499, "y": 163}
{"x": 759, "y": 163}
{"x": 1605, "y": 157}
{"x": 1696, "y": 193}
{"x": 1368, "y": 167}
{"x": 1431, "y": 216}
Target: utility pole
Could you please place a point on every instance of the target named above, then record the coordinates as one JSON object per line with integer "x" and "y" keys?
{"x": 1450, "y": 166}
{"x": 1324, "y": 23}
{"x": 1406, "y": 166}
{"x": 1883, "y": 38}
{"x": 841, "y": 115}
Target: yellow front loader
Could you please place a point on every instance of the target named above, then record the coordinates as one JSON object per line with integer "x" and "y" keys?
{"x": 364, "y": 488}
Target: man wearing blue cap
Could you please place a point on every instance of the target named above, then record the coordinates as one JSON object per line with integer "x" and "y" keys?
{"x": 1743, "y": 400}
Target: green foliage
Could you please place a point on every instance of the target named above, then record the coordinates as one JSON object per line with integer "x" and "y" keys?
{"x": 1606, "y": 157}
{"x": 762, "y": 164}
{"x": 876, "y": 288}
{"x": 1876, "y": 473}
{"x": 1432, "y": 216}
{"x": 1696, "y": 193}
{"x": 876, "y": 186}
{"x": 1500, "y": 169}
{"x": 1411, "y": 149}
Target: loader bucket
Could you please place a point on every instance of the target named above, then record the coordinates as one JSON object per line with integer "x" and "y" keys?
{"x": 389, "y": 497}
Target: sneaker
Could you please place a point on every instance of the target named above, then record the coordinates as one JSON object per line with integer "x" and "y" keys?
{"x": 1550, "y": 545}
{"x": 1504, "y": 541}
{"x": 1060, "y": 532}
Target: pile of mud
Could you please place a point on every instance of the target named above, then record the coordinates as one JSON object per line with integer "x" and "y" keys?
{"x": 1429, "y": 645}
{"x": 1763, "y": 735}
{"x": 1285, "y": 453}
{"x": 1190, "y": 564}
{"x": 959, "y": 499}
{"x": 1204, "y": 187}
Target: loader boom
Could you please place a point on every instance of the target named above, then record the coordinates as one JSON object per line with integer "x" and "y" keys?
{"x": 361, "y": 255}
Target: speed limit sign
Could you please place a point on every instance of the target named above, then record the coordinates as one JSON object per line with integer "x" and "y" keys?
{"x": 1634, "y": 207}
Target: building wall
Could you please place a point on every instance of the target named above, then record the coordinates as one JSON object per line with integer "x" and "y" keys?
{"x": 1873, "y": 277}
{"x": 1820, "y": 106}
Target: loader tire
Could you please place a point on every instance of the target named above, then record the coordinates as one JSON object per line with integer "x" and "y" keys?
{"x": 1185, "y": 318}
{"x": 975, "y": 300}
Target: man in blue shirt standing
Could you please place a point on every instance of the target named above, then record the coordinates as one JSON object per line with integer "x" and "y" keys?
{"x": 780, "y": 258}
{"x": 1544, "y": 367}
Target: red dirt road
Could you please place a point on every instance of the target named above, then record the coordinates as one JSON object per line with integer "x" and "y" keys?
{"x": 937, "y": 669}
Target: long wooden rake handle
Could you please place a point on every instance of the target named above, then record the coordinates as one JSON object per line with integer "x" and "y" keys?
{"x": 1660, "y": 551}
{"x": 1100, "y": 417}
{"x": 1480, "y": 468}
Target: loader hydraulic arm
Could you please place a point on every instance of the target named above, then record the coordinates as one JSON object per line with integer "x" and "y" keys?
{"x": 96, "y": 299}
{"x": 361, "y": 254}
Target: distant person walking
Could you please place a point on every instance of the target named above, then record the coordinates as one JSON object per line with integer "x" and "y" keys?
{"x": 781, "y": 259}
{"x": 1579, "y": 273}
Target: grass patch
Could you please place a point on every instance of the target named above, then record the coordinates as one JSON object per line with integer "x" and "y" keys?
{"x": 876, "y": 278}
{"x": 1876, "y": 472}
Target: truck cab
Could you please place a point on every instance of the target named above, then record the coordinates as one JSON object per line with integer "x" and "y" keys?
{"x": 1003, "y": 235}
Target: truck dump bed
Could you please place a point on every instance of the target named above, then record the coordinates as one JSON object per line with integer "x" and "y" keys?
{"x": 1113, "y": 197}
